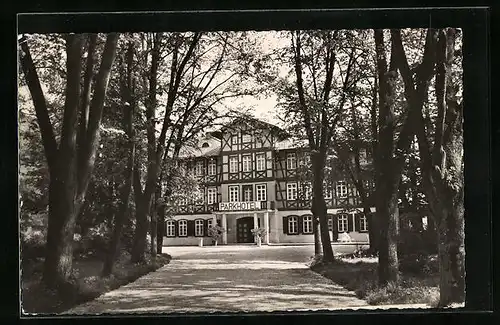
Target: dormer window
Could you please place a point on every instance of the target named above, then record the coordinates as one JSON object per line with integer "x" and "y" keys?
{"x": 205, "y": 145}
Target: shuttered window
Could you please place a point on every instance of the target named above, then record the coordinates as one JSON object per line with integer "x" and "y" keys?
{"x": 182, "y": 228}
{"x": 342, "y": 223}
{"x": 198, "y": 228}
{"x": 170, "y": 228}
{"x": 293, "y": 222}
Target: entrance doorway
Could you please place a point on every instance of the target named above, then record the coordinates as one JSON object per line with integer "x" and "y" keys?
{"x": 244, "y": 228}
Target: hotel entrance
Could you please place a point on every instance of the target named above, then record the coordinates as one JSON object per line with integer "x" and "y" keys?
{"x": 244, "y": 228}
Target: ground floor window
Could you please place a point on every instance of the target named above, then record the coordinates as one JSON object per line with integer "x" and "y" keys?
{"x": 198, "y": 227}
{"x": 182, "y": 228}
{"x": 342, "y": 222}
{"x": 293, "y": 225}
{"x": 363, "y": 224}
{"x": 210, "y": 223}
{"x": 330, "y": 223}
{"x": 170, "y": 228}
{"x": 307, "y": 224}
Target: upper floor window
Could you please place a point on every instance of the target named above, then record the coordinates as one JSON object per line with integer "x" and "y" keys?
{"x": 341, "y": 189}
{"x": 233, "y": 164}
{"x": 342, "y": 222}
{"x": 291, "y": 191}
{"x": 307, "y": 190}
{"x": 199, "y": 196}
{"x": 246, "y": 138}
{"x": 327, "y": 191}
{"x": 261, "y": 192}
{"x": 183, "y": 200}
{"x": 211, "y": 195}
{"x": 234, "y": 140}
{"x": 234, "y": 194}
{"x": 183, "y": 228}
{"x": 247, "y": 163}
{"x": 212, "y": 167}
{"x": 307, "y": 224}
{"x": 247, "y": 193}
{"x": 293, "y": 225}
{"x": 170, "y": 228}
{"x": 261, "y": 161}
{"x": 198, "y": 227}
{"x": 199, "y": 168}
{"x": 291, "y": 161}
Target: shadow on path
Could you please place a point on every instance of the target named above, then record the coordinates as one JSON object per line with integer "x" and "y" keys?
{"x": 227, "y": 281}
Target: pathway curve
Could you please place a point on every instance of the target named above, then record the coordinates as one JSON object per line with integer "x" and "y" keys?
{"x": 227, "y": 279}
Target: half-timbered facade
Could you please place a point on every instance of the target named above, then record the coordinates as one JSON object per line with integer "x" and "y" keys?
{"x": 251, "y": 175}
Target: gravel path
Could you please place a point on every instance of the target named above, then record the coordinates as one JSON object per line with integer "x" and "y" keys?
{"x": 227, "y": 279}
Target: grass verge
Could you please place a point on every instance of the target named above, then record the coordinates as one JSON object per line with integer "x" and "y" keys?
{"x": 360, "y": 275}
{"x": 37, "y": 299}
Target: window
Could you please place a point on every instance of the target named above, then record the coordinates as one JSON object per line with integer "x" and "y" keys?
{"x": 341, "y": 189}
{"x": 210, "y": 223}
{"x": 205, "y": 145}
{"x": 183, "y": 228}
{"x": 211, "y": 195}
{"x": 363, "y": 223}
{"x": 293, "y": 225}
{"x": 261, "y": 191}
{"x": 327, "y": 191}
{"x": 234, "y": 140}
{"x": 212, "y": 167}
{"x": 233, "y": 194}
{"x": 342, "y": 222}
{"x": 291, "y": 161}
{"x": 261, "y": 161}
{"x": 233, "y": 164}
{"x": 198, "y": 227}
{"x": 362, "y": 155}
{"x": 307, "y": 190}
{"x": 307, "y": 222}
{"x": 170, "y": 228}
{"x": 330, "y": 223}
{"x": 247, "y": 193}
{"x": 247, "y": 163}
{"x": 291, "y": 191}
{"x": 246, "y": 138}
{"x": 183, "y": 200}
{"x": 199, "y": 168}
{"x": 199, "y": 196}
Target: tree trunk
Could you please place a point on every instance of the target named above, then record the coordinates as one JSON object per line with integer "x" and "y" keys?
{"x": 161, "y": 230}
{"x": 154, "y": 224}
{"x": 141, "y": 230}
{"x": 317, "y": 236}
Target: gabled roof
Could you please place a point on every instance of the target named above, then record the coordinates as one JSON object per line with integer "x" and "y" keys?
{"x": 255, "y": 123}
{"x": 207, "y": 146}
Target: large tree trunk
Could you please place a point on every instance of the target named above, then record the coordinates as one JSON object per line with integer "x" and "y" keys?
{"x": 388, "y": 218}
{"x": 141, "y": 229}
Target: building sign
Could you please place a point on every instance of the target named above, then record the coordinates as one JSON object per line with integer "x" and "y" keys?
{"x": 239, "y": 206}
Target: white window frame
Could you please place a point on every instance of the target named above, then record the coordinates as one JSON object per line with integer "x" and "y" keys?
{"x": 247, "y": 189}
{"x": 182, "y": 225}
{"x": 327, "y": 192}
{"x": 307, "y": 189}
{"x": 260, "y": 161}
{"x": 293, "y": 225}
{"x": 363, "y": 223}
{"x": 199, "y": 230}
{"x": 261, "y": 192}
{"x": 342, "y": 223}
{"x": 234, "y": 196}
{"x": 246, "y": 162}
{"x": 233, "y": 164}
{"x": 199, "y": 168}
{"x": 291, "y": 191}
{"x": 307, "y": 222}
{"x": 212, "y": 167}
{"x": 232, "y": 140}
{"x": 341, "y": 189}
{"x": 330, "y": 223}
{"x": 170, "y": 228}
{"x": 211, "y": 195}
{"x": 183, "y": 200}
{"x": 210, "y": 223}
{"x": 291, "y": 161}
{"x": 246, "y": 138}
{"x": 199, "y": 197}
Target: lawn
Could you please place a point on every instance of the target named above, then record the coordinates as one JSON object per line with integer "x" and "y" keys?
{"x": 38, "y": 299}
{"x": 419, "y": 279}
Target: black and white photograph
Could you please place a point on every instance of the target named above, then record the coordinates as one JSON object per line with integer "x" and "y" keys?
{"x": 243, "y": 171}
